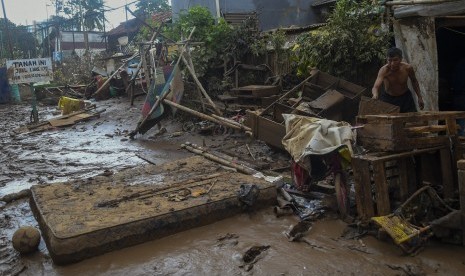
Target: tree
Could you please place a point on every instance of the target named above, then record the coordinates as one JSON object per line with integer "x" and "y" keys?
{"x": 86, "y": 14}
{"x": 349, "y": 45}
{"x": 148, "y": 7}
{"x": 22, "y": 41}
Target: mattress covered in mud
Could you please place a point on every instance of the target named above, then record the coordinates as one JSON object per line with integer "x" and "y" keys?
{"x": 85, "y": 218}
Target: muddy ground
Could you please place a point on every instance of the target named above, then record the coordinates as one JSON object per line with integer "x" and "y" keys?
{"x": 100, "y": 147}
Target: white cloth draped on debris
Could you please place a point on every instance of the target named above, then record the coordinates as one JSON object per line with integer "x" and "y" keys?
{"x": 313, "y": 136}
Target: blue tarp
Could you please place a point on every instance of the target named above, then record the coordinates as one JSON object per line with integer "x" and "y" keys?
{"x": 4, "y": 87}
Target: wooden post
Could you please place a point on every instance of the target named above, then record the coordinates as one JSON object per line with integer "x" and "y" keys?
{"x": 461, "y": 178}
{"x": 363, "y": 198}
{"x": 382, "y": 192}
{"x": 403, "y": 179}
{"x": 446, "y": 171}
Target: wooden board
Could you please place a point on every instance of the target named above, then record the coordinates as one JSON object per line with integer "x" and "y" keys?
{"x": 82, "y": 219}
{"x": 256, "y": 90}
{"x": 70, "y": 120}
{"x": 327, "y": 100}
{"x": 369, "y": 106}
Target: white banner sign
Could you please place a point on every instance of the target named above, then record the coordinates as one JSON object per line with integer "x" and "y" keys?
{"x": 29, "y": 70}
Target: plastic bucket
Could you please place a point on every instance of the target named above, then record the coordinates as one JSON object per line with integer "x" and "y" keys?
{"x": 14, "y": 93}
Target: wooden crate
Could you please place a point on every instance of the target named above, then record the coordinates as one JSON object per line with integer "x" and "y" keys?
{"x": 406, "y": 131}
{"x": 371, "y": 178}
{"x": 266, "y": 130}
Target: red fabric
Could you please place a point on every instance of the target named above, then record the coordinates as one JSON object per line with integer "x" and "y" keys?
{"x": 300, "y": 177}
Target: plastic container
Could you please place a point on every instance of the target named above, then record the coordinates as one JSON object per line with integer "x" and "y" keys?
{"x": 68, "y": 105}
{"x": 14, "y": 93}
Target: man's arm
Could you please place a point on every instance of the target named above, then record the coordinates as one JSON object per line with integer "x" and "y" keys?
{"x": 378, "y": 82}
{"x": 416, "y": 86}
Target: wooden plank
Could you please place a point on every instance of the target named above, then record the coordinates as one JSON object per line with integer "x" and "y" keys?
{"x": 362, "y": 179}
{"x": 256, "y": 90}
{"x": 430, "y": 10}
{"x": 381, "y": 131}
{"x": 413, "y": 116}
{"x": 446, "y": 171}
{"x": 451, "y": 126}
{"x": 327, "y": 100}
{"x": 461, "y": 181}
{"x": 373, "y": 157}
{"x": 403, "y": 179}
{"x": 270, "y": 132}
{"x": 422, "y": 129}
{"x": 70, "y": 120}
{"x": 382, "y": 192}
{"x": 412, "y": 175}
{"x": 369, "y": 106}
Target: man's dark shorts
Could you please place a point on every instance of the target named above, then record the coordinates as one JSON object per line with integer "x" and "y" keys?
{"x": 404, "y": 101}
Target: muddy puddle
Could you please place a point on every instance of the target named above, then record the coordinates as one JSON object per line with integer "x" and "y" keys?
{"x": 100, "y": 146}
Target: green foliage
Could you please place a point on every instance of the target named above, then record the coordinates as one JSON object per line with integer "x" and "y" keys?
{"x": 147, "y": 7}
{"x": 348, "y": 44}
{"x": 246, "y": 40}
{"x": 215, "y": 38}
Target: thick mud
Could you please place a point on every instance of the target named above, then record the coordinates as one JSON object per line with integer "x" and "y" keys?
{"x": 100, "y": 146}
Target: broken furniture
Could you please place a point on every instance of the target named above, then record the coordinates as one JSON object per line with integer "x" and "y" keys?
{"x": 422, "y": 215}
{"x": 82, "y": 219}
{"x": 374, "y": 172}
{"x": 320, "y": 95}
{"x": 403, "y": 143}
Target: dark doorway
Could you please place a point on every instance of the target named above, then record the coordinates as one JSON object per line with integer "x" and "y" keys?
{"x": 450, "y": 36}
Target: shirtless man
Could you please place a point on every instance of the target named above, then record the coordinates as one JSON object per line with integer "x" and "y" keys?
{"x": 395, "y": 75}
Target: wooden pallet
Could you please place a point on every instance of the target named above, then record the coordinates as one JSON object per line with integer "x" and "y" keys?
{"x": 406, "y": 131}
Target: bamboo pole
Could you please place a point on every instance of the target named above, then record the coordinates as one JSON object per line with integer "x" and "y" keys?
{"x": 191, "y": 70}
{"x": 242, "y": 127}
{"x": 199, "y": 93}
{"x": 162, "y": 97}
{"x": 222, "y": 161}
{"x": 201, "y": 115}
{"x": 139, "y": 65}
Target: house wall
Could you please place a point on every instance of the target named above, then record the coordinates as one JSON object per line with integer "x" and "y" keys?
{"x": 417, "y": 39}
{"x": 272, "y": 14}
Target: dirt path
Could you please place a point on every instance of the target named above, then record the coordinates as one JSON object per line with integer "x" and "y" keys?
{"x": 98, "y": 146}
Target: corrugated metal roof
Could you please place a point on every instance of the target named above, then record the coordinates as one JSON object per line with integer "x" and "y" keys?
{"x": 319, "y": 3}
{"x": 236, "y": 19}
{"x": 133, "y": 25}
